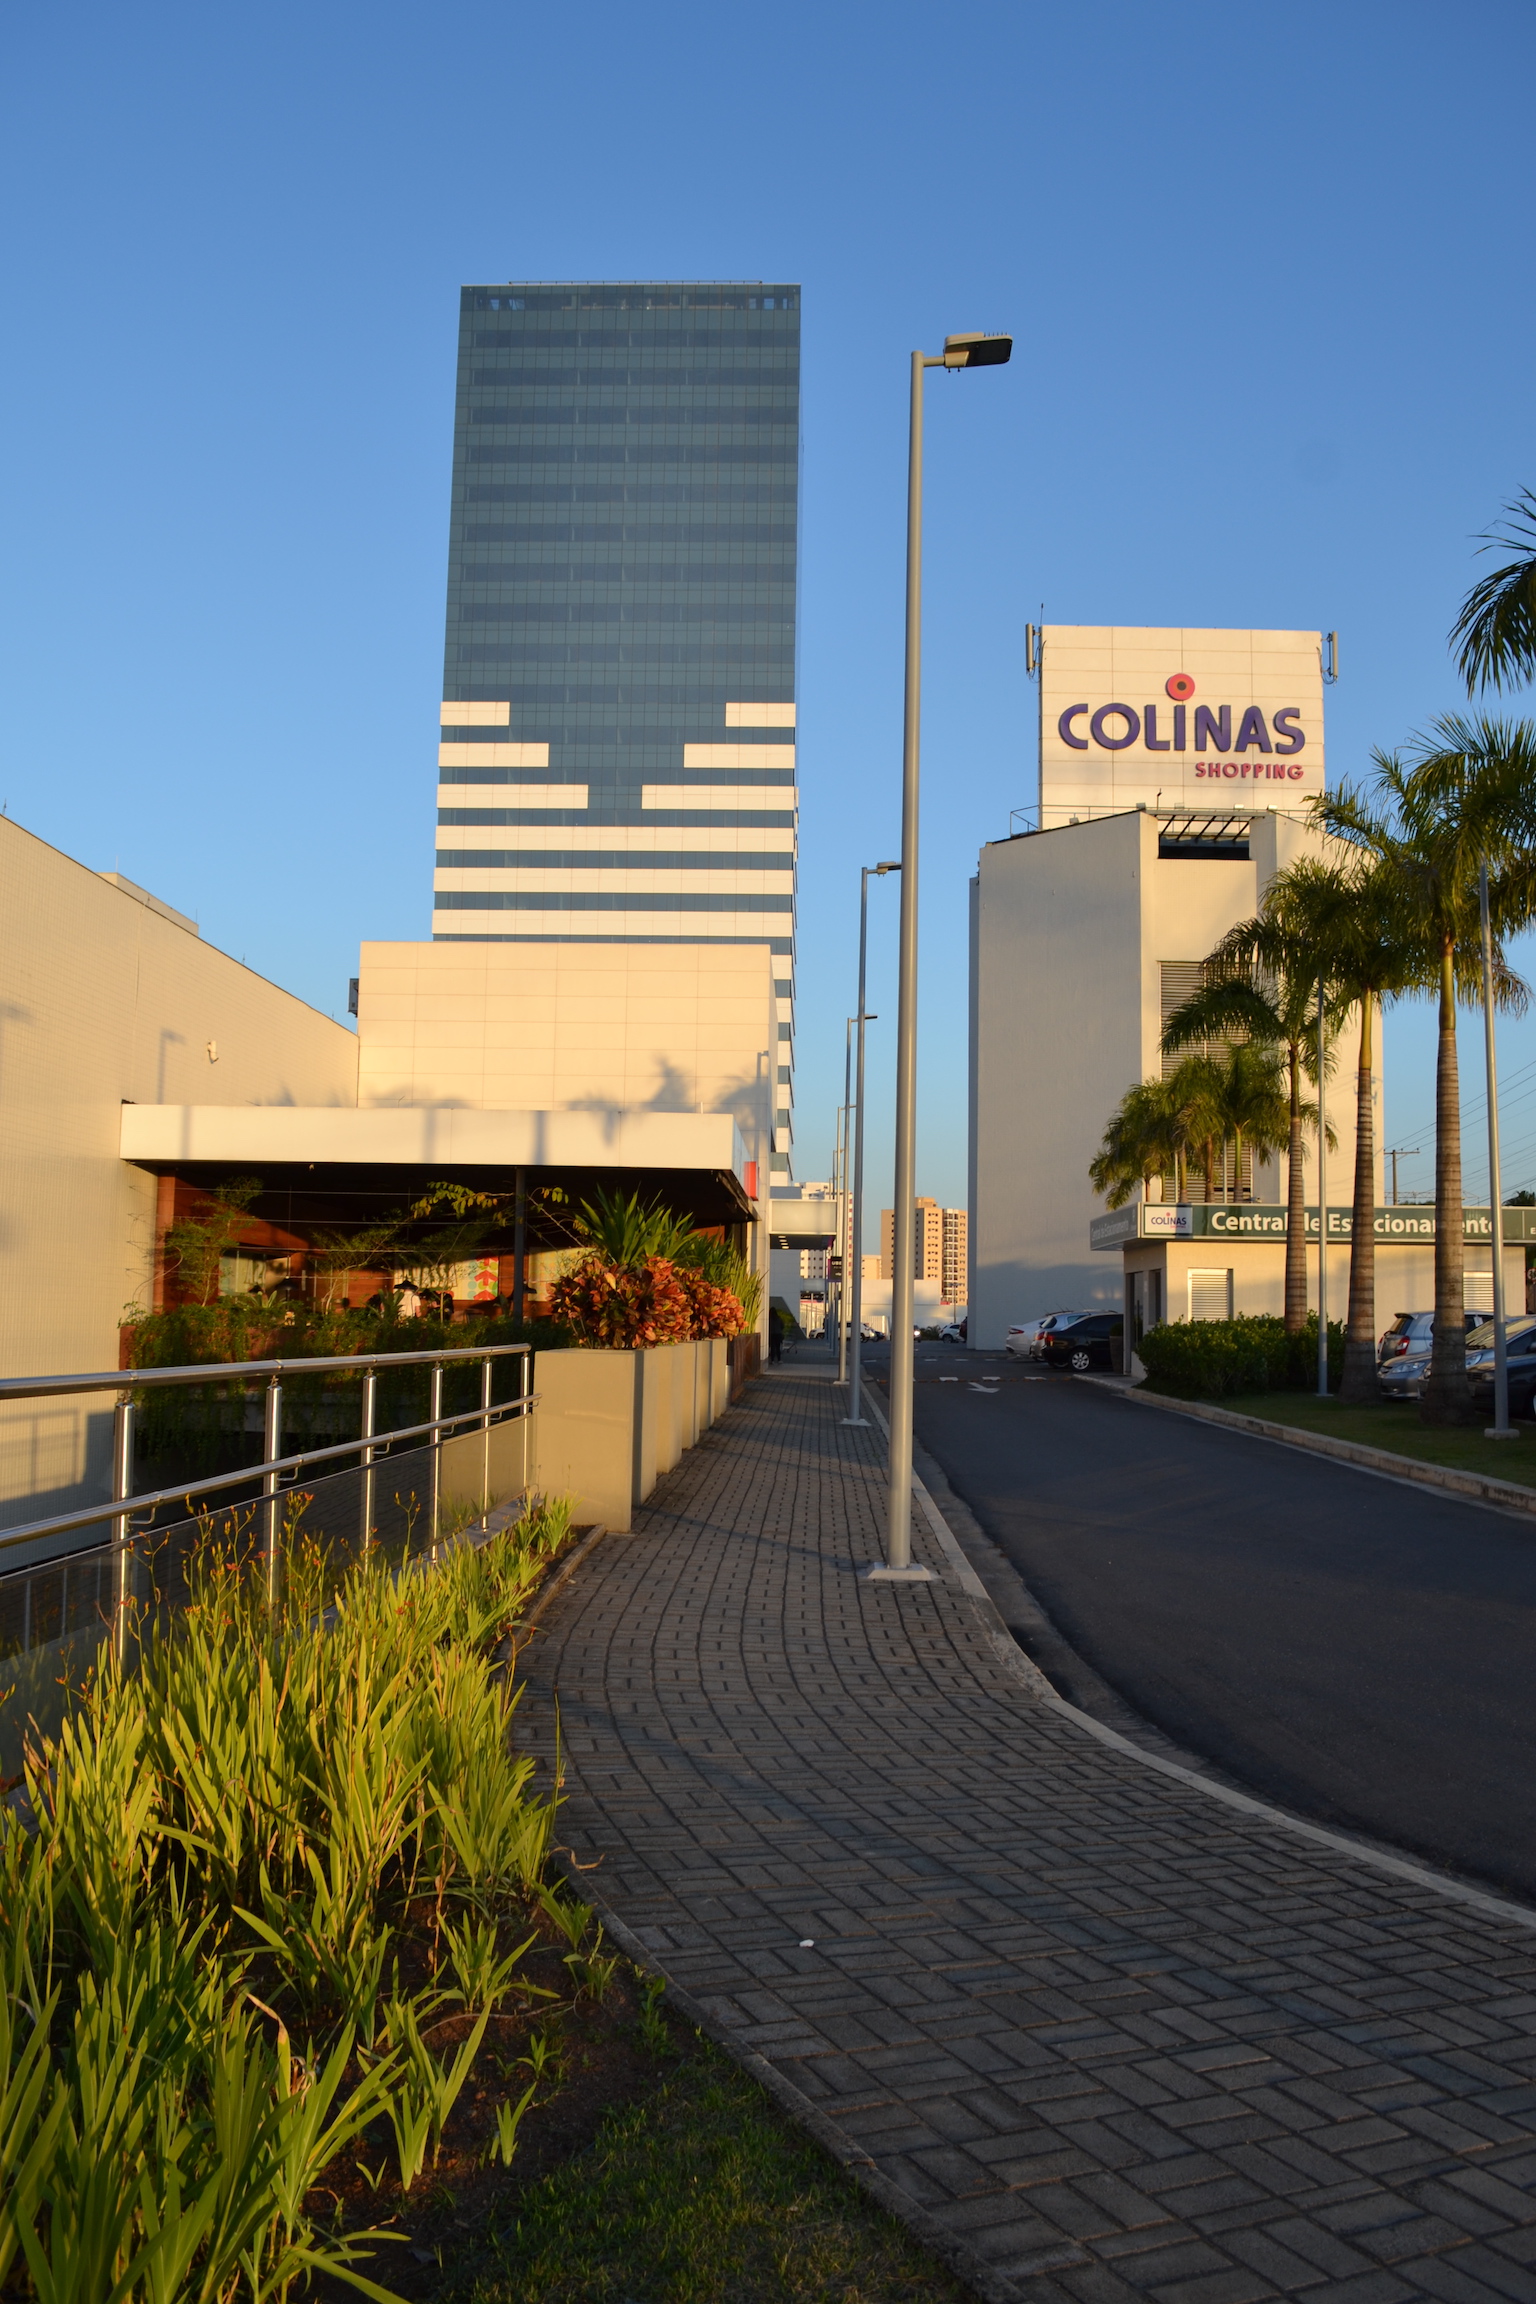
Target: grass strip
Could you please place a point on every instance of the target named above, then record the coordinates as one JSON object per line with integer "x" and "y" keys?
{"x": 1394, "y": 1426}
{"x": 702, "y": 2191}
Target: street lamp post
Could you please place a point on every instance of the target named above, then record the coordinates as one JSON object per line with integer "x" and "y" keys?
{"x": 1322, "y": 1201}
{"x": 841, "y": 1205}
{"x": 1501, "y": 1428}
{"x": 968, "y": 351}
{"x": 856, "y": 1324}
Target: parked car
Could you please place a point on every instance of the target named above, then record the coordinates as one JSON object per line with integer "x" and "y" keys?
{"x": 1520, "y": 1348}
{"x": 1411, "y": 1334}
{"x": 1052, "y": 1325}
{"x": 1018, "y": 1340}
{"x": 1081, "y": 1344}
{"x": 953, "y": 1332}
{"x": 1403, "y": 1378}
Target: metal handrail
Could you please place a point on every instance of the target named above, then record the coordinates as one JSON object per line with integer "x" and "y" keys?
{"x": 151, "y": 1499}
{"x": 228, "y": 1371}
{"x": 121, "y": 1507}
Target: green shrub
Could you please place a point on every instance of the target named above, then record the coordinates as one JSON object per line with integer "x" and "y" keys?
{"x": 204, "y": 1905}
{"x": 1212, "y": 1359}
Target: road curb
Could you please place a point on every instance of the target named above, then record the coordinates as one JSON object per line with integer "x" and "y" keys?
{"x": 1023, "y": 1670}
{"x": 1478, "y": 1487}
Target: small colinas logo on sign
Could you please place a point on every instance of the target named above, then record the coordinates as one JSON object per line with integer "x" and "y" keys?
{"x": 1180, "y": 687}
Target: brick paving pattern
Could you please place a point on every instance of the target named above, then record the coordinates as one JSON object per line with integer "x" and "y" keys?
{"x": 1119, "y": 2040}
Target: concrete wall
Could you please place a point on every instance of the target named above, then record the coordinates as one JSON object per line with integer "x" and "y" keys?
{"x": 105, "y": 999}
{"x": 577, "y": 1027}
{"x": 1070, "y": 930}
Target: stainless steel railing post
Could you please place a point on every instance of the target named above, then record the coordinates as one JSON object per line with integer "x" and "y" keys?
{"x": 122, "y": 1488}
{"x": 485, "y": 1426}
{"x": 370, "y": 1425}
{"x": 434, "y": 1414}
{"x": 524, "y": 1414}
{"x": 271, "y": 1482}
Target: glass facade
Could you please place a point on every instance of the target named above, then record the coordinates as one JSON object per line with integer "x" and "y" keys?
{"x": 617, "y": 749}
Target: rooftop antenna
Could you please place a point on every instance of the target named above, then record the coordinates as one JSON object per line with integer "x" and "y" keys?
{"x": 1330, "y": 657}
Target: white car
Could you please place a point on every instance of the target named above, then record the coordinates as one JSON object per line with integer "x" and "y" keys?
{"x": 1019, "y": 1340}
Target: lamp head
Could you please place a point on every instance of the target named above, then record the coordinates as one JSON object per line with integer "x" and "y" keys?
{"x": 887, "y": 867}
{"x": 977, "y": 351}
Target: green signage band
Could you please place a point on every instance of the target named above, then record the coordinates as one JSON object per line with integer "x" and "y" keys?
{"x": 1262, "y": 1220}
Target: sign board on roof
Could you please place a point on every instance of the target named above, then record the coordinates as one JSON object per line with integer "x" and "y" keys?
{"x": 1215, "y": 721}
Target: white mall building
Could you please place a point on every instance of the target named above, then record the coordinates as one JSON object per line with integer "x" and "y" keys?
{"x": 1175, "y": 771}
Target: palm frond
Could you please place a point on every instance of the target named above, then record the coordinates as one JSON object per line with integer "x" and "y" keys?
{"x": 1496, "y": 628}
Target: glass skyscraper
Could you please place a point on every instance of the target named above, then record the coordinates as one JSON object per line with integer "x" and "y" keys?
{"x": 617, "y": 756}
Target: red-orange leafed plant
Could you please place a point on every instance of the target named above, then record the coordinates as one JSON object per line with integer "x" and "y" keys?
{"x": 716, "y": 1311}
{"x": 623, "y": 1308}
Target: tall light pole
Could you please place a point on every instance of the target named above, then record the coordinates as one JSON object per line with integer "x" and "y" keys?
{"x": 970, "y": 351}
{"x": 856, "y": 1341}
{"x": 1501, "y": 1428}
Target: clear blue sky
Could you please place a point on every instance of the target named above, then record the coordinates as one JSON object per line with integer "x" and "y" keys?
{"x": 1268, "y": 270}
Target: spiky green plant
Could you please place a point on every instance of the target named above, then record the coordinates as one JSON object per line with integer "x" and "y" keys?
{"x": 226, "y": 1844}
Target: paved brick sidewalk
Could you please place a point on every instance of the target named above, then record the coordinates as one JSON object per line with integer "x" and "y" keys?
{"x": 1119, "y": 2039}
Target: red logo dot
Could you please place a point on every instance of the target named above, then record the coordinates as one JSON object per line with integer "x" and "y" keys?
{"x": 1181, "y": 687}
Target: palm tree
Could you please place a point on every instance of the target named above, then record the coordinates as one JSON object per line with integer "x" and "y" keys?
{"x": 1497, "y": 624}
{"x": 1142, "y": 1140}
{"x": 1261, "y": 981}
{"x": 1374, "y": 953}
{"x": 1197, "y": 1088}
{"x": 1462, "y": 800}
{"x": 1254, "y": 1106}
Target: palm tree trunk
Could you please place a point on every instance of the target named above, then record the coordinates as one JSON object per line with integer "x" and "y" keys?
{"x": 1237, "y": 1163}
{"x": 1296, "y": 1210}
{"x": 1359, "y": 1382}
{"x": 1447, "y": 1394}
{"x": 1210, "y": 1168}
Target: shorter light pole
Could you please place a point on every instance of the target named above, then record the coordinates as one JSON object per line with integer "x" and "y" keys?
{"x": 1501, "y": 1428}
{"x": 1322, "y": 1201}
{"x": 855, "y": 1376}
{"x": 842, "y": 1208}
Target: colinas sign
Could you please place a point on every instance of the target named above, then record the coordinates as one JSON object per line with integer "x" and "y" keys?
{"x": 1261, "y": 747}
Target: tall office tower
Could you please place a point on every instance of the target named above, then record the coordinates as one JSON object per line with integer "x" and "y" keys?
{"x": 617, "y": 757}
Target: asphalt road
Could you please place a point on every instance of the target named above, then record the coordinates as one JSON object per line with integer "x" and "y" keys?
{"x": 1363, "y": 1652}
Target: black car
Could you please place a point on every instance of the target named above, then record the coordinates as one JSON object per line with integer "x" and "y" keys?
{"x": 1520, "y": 1346}
{"x": 1083, "y": 1344}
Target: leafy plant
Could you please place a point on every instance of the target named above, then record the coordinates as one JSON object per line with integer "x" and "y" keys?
{"x": 226, "y": 1842}
{"x": 196, "y": 1243}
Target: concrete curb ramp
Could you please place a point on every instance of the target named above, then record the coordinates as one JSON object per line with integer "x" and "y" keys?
{"x": 1097, "y": 2027}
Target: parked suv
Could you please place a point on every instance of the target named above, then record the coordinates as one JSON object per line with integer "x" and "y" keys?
{"x": 1081, "y": 1344}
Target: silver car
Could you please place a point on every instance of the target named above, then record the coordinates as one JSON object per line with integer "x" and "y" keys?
{"x": 1404, "y": 1379}
{"x": 1410, "y": 1335}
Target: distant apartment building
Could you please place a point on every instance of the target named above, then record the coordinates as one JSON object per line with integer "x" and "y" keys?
{"x": 617, "y": 749}
{"x": 941, "y": 1248}
{"x": 954, "y": 1255}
